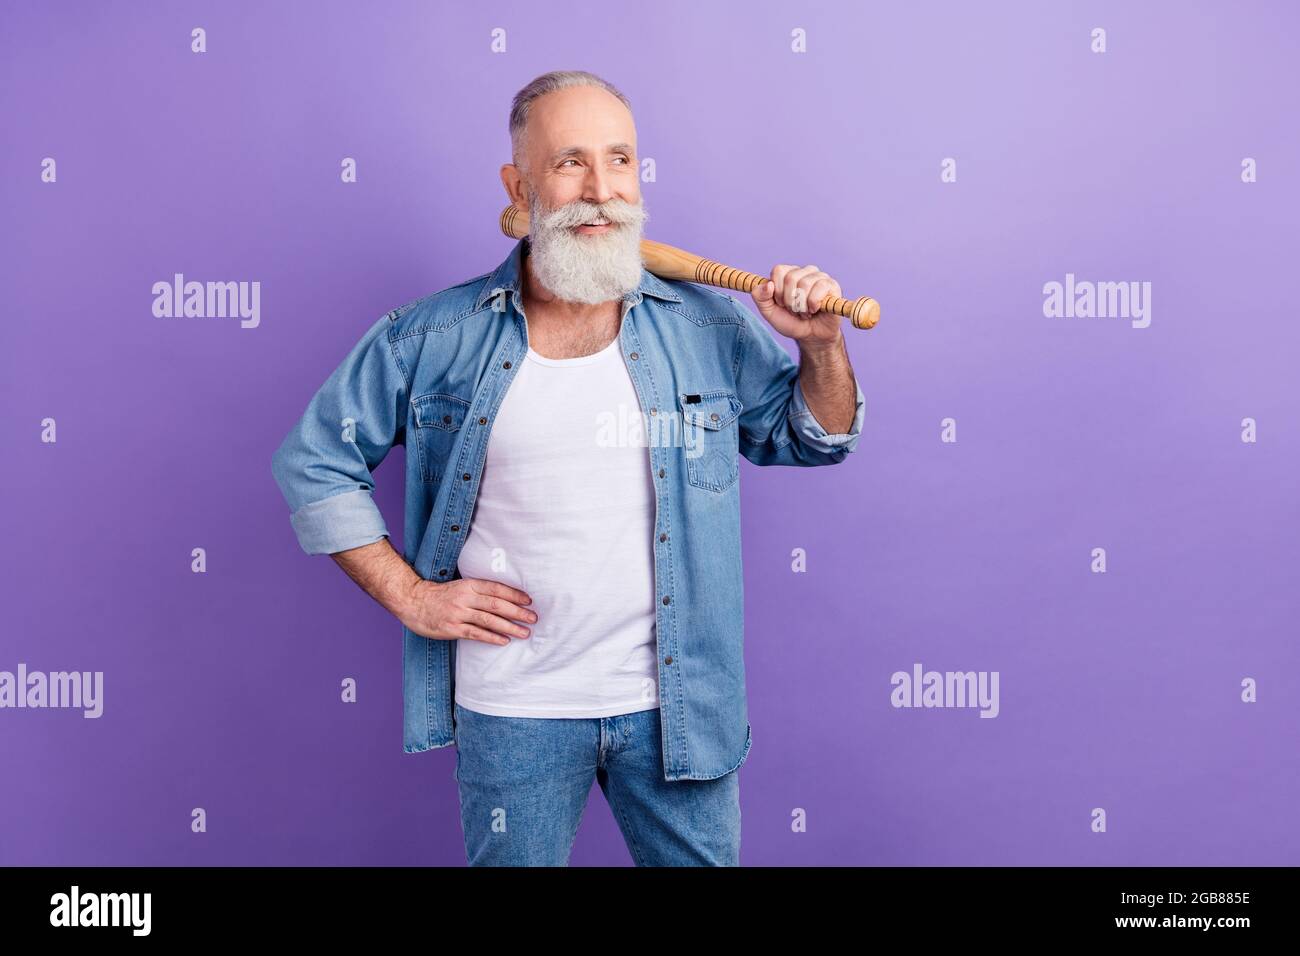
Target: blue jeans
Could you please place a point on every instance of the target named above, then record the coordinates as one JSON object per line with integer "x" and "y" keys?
{"x": 524, "y": 783}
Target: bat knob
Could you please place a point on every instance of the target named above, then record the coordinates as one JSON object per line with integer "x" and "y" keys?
{"x": 866, "y": 312}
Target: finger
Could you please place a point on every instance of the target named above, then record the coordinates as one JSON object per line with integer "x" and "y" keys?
{"x": 795, "y": 299}
{"x": 500, "y": 607}
{"x": 821, "y": 289}
{"x": 778, "y": 280}
{"x": 487, "y": 637}
{"x": 490, "y": 622}
{"x": 497, "y": 589}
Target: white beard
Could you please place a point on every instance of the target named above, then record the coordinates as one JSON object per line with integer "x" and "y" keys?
{"x": 586, "y": 268}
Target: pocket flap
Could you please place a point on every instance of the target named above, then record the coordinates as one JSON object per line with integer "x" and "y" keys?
{"x": 440, "y": 411}
{"x": 715, "y": 409}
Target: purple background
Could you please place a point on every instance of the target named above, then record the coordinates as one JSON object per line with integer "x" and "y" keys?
{"x": 1118, "y": 690}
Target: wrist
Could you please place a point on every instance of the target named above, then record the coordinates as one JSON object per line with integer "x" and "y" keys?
{"x": 821, "y": 350}
{"x": 407, "y": 599}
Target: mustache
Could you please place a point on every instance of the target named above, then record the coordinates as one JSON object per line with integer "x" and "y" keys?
{"x": 617, "y": 211}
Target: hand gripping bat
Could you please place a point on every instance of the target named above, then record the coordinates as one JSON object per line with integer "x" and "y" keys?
{"x": 669, "y": 262}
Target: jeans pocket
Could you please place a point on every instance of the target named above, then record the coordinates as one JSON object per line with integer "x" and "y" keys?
{"x": 438, "y": 418}
{"x": 711, "y": 438}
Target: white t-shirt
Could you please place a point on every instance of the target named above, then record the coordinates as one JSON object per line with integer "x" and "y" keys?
{"x": 565, "y": 512}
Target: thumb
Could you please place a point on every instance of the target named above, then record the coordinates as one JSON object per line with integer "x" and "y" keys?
{"x": 764, "y": 294}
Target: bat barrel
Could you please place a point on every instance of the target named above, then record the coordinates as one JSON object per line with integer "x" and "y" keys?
{"x": 514, "y": 222}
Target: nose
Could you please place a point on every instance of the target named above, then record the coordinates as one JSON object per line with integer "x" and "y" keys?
{"x": 596, "y": 186}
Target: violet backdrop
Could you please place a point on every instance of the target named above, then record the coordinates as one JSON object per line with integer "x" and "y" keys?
{"x": 1119, "y": 690}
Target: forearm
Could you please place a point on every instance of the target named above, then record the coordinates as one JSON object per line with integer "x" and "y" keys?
{"x": 826, "y": 379}
{"x": 382, "y": 573}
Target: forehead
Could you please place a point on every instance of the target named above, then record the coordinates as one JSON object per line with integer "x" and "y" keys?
{"x": 584, "y": 116}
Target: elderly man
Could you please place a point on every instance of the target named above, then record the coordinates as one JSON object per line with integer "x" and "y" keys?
{"x": 571, "y": 594}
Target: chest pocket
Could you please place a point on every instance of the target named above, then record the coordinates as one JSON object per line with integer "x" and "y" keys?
{"x": 711, "y": 437}
{"x": 438, "y": 418}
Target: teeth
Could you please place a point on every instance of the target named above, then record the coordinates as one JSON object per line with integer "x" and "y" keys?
{"x": 597, "y": 222}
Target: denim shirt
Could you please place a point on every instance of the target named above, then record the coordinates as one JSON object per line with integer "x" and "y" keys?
{"x": 432, "y": 374}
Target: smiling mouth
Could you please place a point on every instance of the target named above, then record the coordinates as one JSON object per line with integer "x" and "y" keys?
{"x": 594, "y": 224}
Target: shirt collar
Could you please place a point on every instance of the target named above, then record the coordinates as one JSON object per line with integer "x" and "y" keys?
{"x": 507, "y": 277}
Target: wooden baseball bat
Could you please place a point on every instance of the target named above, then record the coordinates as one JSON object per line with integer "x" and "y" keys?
{"x": 669, "y": 262}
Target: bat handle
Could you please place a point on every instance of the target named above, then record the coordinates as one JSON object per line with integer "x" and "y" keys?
{"x": 864, "y": 312}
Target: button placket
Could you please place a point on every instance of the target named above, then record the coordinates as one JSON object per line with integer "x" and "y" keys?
{"x": 664, "y": 636}
{"x": 454, "y": 541}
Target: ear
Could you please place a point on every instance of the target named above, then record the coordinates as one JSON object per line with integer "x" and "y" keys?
{"x": 516, "y": 187}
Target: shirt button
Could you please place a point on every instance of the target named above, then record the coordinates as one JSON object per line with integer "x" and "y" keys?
{"x": 714, "y": 416}
{"x": 482, "y": 421}
{"x": 661, "y": 472}
{"x": 505, "y": 364}
{"x": 668, "y": 659}
{"x": 654, "y": 411}
{"x": 666, "y": 599}
{"x": 633, "y": 356}
{"x": 455, "y": 527}
{"x": 465, "y": 477}
{"x": 446, "y": 419}
{"x": 442, "y": 573}
{"x": 663, "y": 537}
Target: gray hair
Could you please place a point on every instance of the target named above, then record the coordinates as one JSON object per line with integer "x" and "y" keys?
{"x": 549, "y": 83}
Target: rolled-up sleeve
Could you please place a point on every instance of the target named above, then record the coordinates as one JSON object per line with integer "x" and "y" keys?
{"x": 810, "y": 429}
{"x": 325, "y": 465}
{"x": 776, "y": 425}
{"x": 343, "y": 521}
